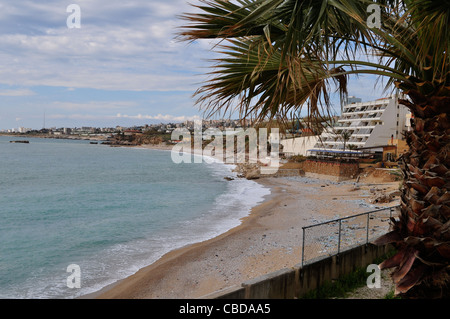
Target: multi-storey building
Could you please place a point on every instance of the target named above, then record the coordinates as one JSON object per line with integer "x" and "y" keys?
{"x": 365, "y": 125}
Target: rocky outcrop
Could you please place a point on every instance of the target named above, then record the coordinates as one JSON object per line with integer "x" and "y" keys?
{"x": 380, "y": 196}
{"x": 253, "y": 174}
{"x": 248, "y": 170}
{"x": 253, "y": 171}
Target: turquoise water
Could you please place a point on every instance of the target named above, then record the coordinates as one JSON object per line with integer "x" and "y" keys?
{"x": 109, "y": 210}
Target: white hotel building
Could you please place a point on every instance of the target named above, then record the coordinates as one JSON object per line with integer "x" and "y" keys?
{"x": 369, "y": 124}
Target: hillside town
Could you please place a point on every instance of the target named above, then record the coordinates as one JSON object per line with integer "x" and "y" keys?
{"x": 121, "y": 135}
{"x": 162, "y": 128}
{"x": 364, "y": 129}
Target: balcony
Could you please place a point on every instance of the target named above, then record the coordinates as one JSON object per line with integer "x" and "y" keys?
{"x": 360, "y": 135}
{"x": 353, "y": 128}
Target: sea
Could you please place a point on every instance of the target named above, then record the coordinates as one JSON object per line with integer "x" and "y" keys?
{"x": 76, "y": 217}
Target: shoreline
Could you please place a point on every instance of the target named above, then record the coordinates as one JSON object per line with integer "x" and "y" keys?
{"x": 114, "y": 290}
{"x": 154, "y": 275}
{"x": 268, "y": 239}
{"x": 181, "y": 250}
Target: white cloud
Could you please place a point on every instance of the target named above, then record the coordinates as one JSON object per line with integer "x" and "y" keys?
{"x": 367, "y": 88}
{"x": 120, "y": 46}
{"x": 19, "y": 92}
{"x": 160, "y": 117}
{"x": 138, "y": 117}
{"x": 92, "y": 106}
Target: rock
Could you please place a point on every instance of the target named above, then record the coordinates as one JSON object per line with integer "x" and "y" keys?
{"x": 381, "y": 198}
{"x": 395, "y": 193}
{"x": 253, "y": 174}
{"x": 248, "y": 170}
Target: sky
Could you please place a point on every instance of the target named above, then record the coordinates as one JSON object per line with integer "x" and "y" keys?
{"x": 122, "y": 66}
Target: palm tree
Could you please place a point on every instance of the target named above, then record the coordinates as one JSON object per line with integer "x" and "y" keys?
{"x": 345, "y": 135}
{"x": 352, "y": 147}
{"x": 281, "y": 56}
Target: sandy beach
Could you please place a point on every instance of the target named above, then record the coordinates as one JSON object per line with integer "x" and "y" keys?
{"x": 269, "y": 239}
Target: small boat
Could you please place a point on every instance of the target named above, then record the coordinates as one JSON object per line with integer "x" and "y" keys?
{"x": 24, "y": 142}
{"x": 93, "y": 142}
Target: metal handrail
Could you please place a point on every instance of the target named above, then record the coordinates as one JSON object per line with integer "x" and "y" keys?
{"x": 339, "y": 220}
{"x": 351, "y": 216}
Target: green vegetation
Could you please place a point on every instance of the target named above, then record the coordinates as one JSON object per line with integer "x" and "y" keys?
{"x": 298, "y": 158}
{"x": 398, "y": 174}
{"x": 391, "y": 295}
{"x": 164, "y": 137}
{"x": 345, "y": 285}
{"x": 341, "y": 287}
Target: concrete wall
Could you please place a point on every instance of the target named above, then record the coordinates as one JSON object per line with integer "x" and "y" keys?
{"x": 340, "y": 170}
{"x": 297, "y": 281}
{"x": 289, "y": 172}
{"x": 299, "y": 145}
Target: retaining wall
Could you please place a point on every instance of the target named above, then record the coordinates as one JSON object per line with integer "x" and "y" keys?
{"x": 288, "y": 172}
{"x": 294, "y": 282}
{"x": 341, "y": 170}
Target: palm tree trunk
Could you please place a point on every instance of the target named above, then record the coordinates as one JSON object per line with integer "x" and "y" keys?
{"x": 422, "y": 232}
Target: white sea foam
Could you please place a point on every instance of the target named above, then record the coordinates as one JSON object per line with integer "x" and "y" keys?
{"x": 224, "y": 214}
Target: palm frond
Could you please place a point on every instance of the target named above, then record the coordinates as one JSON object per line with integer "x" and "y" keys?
{"x": 281, "y": 53}
{"x": 223, "y": 19}
{"x": 255, "y": 80}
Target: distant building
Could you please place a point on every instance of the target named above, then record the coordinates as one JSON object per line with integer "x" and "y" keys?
{"x": 353, "y": 100}
{"x": 24, "y": 130}
{"x": 350, "y": 100}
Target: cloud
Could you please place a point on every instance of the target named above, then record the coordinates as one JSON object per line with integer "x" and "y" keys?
{"x": 112, "y": 119}
{"x": 19, "y": 92}
{"x": 92, "y": 106}
{"x": 160, "y": 117}
{"x": 120, "y": 46}
{"x": 367, "y": 87}
{"x": 124, "y": 58}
